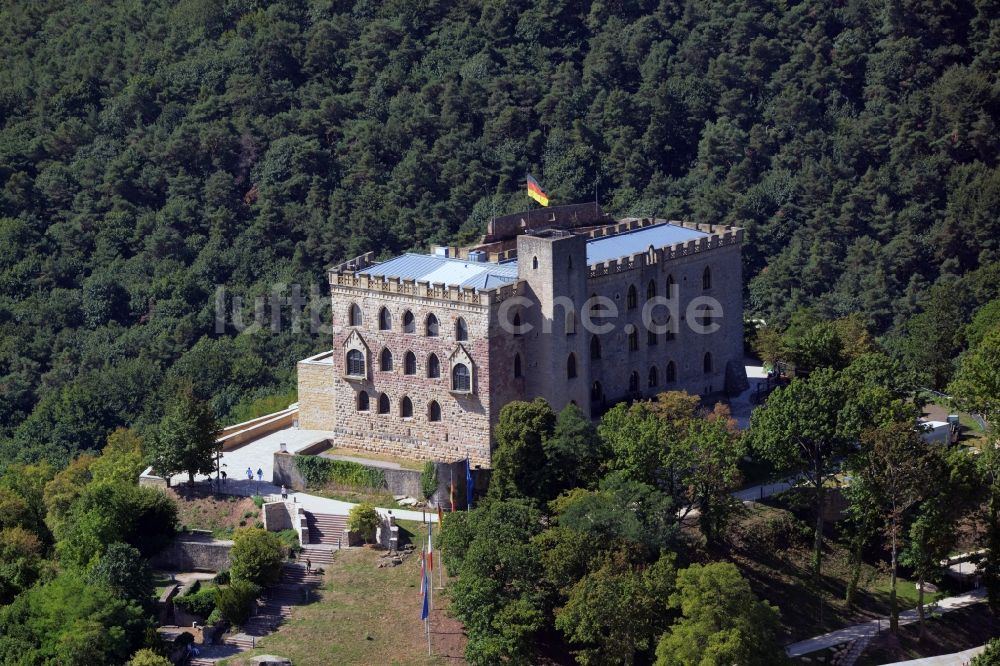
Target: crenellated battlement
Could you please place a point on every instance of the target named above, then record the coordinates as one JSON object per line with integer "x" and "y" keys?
{"x": 721, "y": 236}
{"x": 423, "y": 289}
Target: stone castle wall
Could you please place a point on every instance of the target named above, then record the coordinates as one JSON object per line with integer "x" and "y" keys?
{"x": 464, "y": 427}
{"x": 328, "y": 400}
{"x": 317, "y": 387}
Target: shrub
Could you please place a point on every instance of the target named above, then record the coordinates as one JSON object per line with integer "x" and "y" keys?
{"x": 256, "y": 556}
{"x": 235, "y": 602}
{"x": 146, "y": 657}
{"x": 222, "y": 578}
{"x": 290, "y": 539}
{"x": 200, "y": 603}
{"x": 257, "y": 500}
{"x": 318, "y": 471}
{"x": 428, "y": 479}
{"x": 363, "y": 519}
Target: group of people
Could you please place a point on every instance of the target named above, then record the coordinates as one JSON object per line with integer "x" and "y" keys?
{"x": 260, "y": 477}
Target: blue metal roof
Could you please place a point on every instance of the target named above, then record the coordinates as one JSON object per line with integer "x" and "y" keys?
{"x": 600, "y": 250}
{"x": 442, "y": 270}
{"x": 487, "y": 275}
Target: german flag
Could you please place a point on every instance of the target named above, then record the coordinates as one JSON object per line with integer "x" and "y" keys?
{"x": 536, "y": 192}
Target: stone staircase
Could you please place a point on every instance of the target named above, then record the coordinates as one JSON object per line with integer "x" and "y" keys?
{"x": 326, "y": 528}
{"x": 294, "y": 588}
{"x": 319, "y": 555}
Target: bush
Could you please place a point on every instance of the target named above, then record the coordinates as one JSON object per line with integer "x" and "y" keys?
{"x": 257, "y": 500}
{"x": 988, "y": 657}
{"x": 235, "y": 603}
{"x": 428, "y": 479}
{"x": 200, "y": 602}
{"x": 222, "y": 578}
{"x": 256, "y": 557}
{"x": 363, "y": 519}
{"x": 318, "y": 471}
{"x": 146, "y": 657}
{"x": 290, "y": 539}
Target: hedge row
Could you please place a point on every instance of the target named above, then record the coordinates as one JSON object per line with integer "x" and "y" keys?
{"x": 318, "y": 471}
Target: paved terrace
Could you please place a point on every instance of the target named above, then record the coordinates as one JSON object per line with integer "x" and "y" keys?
{"x": 259, "y": 454}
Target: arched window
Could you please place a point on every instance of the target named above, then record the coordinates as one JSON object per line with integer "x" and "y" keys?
{"x": 363, "y": 401}
{"x": 707, "y": 363}
{"x": 431, "y": 328}
{"x": 596, "y": 392}
{"x": 706, "y": 278}
{"x": 408, "y": 325}
{"x": 384, "y": 320}
{"x": 633, "y": 339}
{"x": 355, "y": 363}
{"x": 654, "y": 377}
{"x": 517, "y": 323}
{"x": 571, "y": 366}
{"x": 383, "y": 404}
{"x": 569, "y": 263}
{"x": 406, "y": 408}
{"x": 434, "y": 411}
{"x": 595, "y": 347}
{"x": 354, "y": 315}
{"x": 671, "y": 372}
{"x": 670, "y": 286}
{"x": 433, "y": 366}
{"x": 534, "y": 263}
{"x": 651, "y": 290}
{"x": 460, "y": 379}
{"x": 517, "y": 366}
{"x": 632, "y": 299}
{"x": 461, "y": 330}
{"x": 409, "y": 364}
{"x": 385, "y": 360}
{"x": 633, "y": 382}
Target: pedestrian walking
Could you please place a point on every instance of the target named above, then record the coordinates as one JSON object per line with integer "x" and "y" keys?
{"x": 309, "y": 564}
{"x": 284, "y": 492}
{"x": 223, "y": 475}
{"x": 249, "y": 474}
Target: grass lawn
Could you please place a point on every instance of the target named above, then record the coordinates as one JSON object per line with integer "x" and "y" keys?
{"x": 365, "y": 455}
{"x": 365, "y": 615}
{"x": 381, "y": 499}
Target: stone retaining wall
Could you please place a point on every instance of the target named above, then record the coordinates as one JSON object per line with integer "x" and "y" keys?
{"x": 196, "y": 554}
{"x": 398, "y": 481}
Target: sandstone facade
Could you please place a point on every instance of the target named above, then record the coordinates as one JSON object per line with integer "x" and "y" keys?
{"x": 532, "y": 336}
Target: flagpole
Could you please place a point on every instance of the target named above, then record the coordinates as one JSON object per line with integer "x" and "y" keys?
{"x": 430, "y": 583}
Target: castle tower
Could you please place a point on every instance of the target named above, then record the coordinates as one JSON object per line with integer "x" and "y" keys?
{"x": 553, "y": 265}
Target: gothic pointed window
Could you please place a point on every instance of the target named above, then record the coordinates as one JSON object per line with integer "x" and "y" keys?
{"x": 355, "y": 363}
{"x": 707, "y": 362}
{"x": 461, "y": 330}
{"x": 633, "y": 382}
{"x": 384, "y": 320}
{"x": 434, "y": 411}
{"x": 383, "y": 404}
{"x": 433, "y": 366}
{"x": 363, "y": 401}
{"x": 654, "y": 379}
{"x": 517, "y": 366}
{"x": 406, "y": 408}
{"x": 671, "y": 372}
{"x": 595, "y": 347}
{"x": 409, "y": 364}
{"x": 431, "y": 328}
{"x": 706, "y": 278}
{"x": 354, "y": 315}
{"x": 385, "y": 360}
{"x": 571, "y": 366}
{"x": 632, "y": 299}
{"x": 461, "y": 379}
{"x": 408, "y": 325}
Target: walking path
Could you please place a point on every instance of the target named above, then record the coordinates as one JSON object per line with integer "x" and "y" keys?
{"x": 259, "y": 455}
{"x": 852, "y": 633}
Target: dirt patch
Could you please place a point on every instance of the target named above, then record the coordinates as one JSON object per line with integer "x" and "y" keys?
{"x": 198, "y": 509}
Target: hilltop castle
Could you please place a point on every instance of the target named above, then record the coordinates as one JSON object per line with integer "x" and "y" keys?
{"x": 562, "y": 303}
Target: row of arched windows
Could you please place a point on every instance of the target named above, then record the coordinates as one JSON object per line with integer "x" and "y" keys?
{"x": 632, "y": 296}
{"x": 383, "y": 406}
{"x": 461, "y": 375}
{"x": 386, "y": 363}
{"x": 432, "y": 328}
{"x": 653, "y": 379}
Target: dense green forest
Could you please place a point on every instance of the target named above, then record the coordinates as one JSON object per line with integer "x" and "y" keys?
{"x": 150, "y": 151}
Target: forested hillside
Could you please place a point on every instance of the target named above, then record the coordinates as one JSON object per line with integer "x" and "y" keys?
{"x": 150, "y": 151}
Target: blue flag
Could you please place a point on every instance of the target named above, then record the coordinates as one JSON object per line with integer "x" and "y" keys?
{"x": 425, "y": 610}
{"x": 468, "y": 484}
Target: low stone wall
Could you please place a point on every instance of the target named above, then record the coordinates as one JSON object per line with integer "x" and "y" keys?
{"x": 276, "y": 516}
{"x": 398, "y": 481}
{"x": 194, "y": 554}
